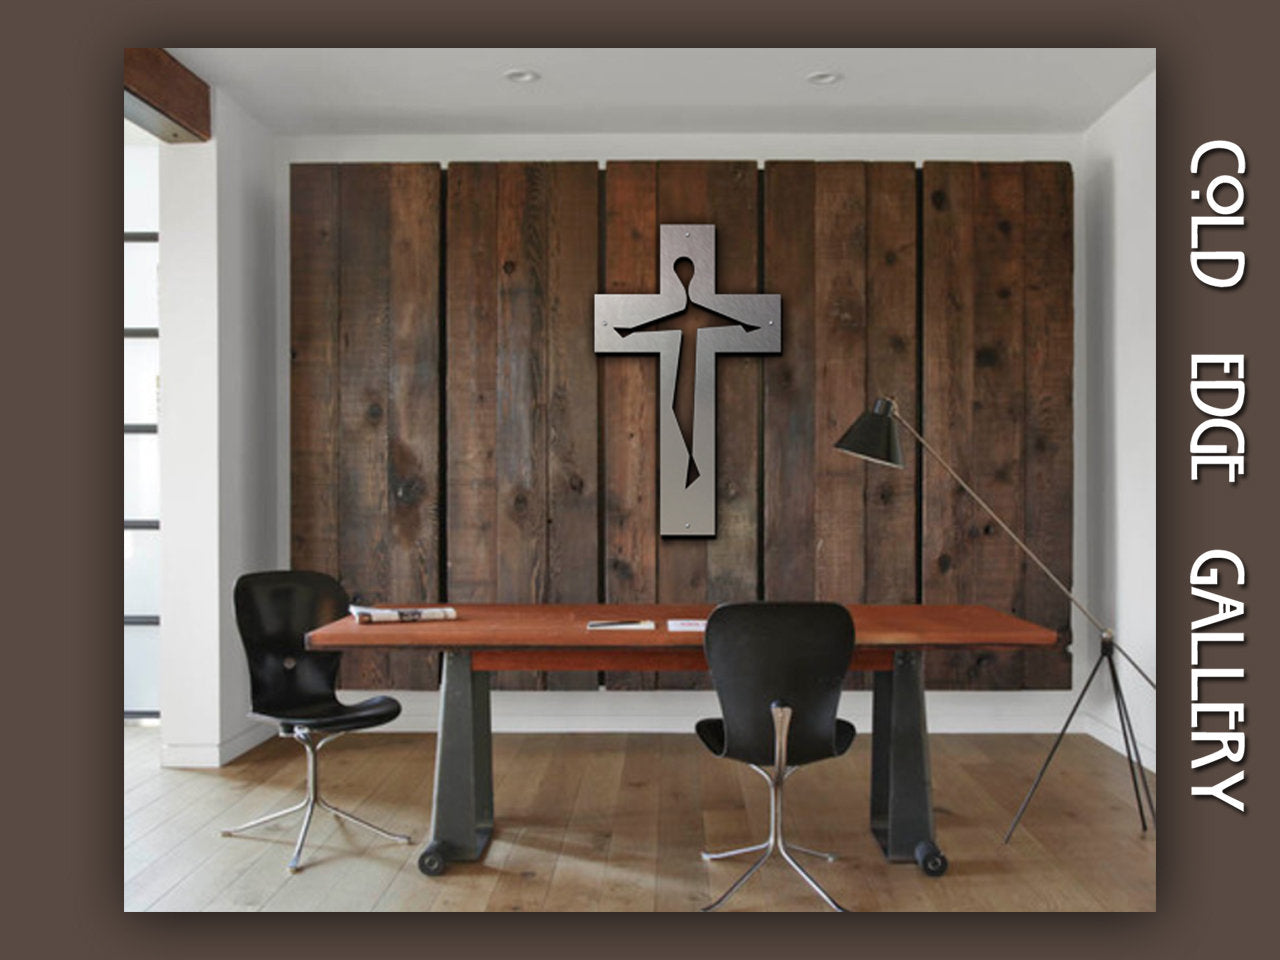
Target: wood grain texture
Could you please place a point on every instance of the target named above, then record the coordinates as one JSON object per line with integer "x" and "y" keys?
{"x": 998, "y": 397}
{"x": 175, "y": 94}
{"x": 554, "y": 626}
{"x": 520, "y": 444}
{"x": 997, "y": 400}
{"x": 840, "y": 368}
{"x": 1050, "y": 318}
{"x": 526, "y": 255}
{"x": 363, "y": 377}
{"x": 542, "y": 485}
{"x": 471, "y": 325}
{"x": 892, "y": 520}
{"x": 607, "y": 845}
{"x": 789, "y": 384}
{"x": 840, "y": 248}
{"x": 628, "y": 413}
{"x": 413, "y": 416}
{"x": 573, "y": 511}
{"x": 314, "y": 238}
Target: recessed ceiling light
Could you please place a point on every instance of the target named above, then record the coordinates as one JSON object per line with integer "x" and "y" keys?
{"x": 824, "y": 78}
{"x": 523, "y": 76}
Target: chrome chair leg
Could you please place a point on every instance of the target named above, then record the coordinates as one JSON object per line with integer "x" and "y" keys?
{"x": 309, "y": 802}
{"x": 267, "y": 819}
{"x": 821, "y": 854}
{"x": 338, "y": 812}
{"x": 777, "y": 841}
{"x": 726, "y": 854}
{"x": 817, "y": 887}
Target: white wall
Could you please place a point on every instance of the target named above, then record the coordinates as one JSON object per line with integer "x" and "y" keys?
{"x": 1120, "y": 322}
{"x": 218, "y": 419}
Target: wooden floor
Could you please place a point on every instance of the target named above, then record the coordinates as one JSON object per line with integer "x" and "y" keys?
{"x": 616, "y": 821}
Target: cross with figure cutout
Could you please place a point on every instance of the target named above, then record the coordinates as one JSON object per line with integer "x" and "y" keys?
{"x": 647, "y": 323}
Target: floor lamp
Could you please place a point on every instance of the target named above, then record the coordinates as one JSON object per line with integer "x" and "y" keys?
{"x": 874, "y": 436}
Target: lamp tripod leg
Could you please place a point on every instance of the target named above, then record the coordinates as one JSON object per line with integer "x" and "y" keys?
{"x": 1122, "y": 705}
{"x": 1054, "y": 749}
{"x": 1129, "y": 746}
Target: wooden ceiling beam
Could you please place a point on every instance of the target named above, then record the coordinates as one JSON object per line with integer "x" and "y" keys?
{"x": 164, "y": 97}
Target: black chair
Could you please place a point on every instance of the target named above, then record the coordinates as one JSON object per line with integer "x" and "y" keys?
{"x": 294, "y": 687}
{"x": 777, "y": 669}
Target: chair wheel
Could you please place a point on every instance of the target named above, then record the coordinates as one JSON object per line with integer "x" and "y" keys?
{"x": 431, "y": 863}
{"x": 930, "y": 858}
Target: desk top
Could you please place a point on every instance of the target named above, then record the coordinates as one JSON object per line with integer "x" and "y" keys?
{"x": 514, "y": 626}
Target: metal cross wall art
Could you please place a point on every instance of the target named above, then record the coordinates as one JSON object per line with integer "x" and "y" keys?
{"x": 623, "y": 324}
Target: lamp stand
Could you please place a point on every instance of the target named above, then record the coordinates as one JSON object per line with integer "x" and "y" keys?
{"x": 873, "y": 436}
{"x": 1136, "y": 771}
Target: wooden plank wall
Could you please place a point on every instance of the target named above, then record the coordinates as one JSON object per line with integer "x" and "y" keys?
{"x": 365, "y": 390}
{"x": 521, "y": 269}
{"x": 542, "y": 485}
{"x": 840, "y": 243}
{"x": 997, "y": 404}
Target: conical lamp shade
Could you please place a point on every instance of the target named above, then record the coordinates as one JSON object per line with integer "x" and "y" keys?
{"x": 874, "y": 436}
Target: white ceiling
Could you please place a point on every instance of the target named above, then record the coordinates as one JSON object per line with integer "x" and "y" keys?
{"x": 355, "y": 91}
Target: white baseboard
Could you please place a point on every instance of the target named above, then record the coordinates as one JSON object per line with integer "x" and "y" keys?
{"x": 214, "y": 754}
{"x": 1109, "y": 734}
{"x": 676, "y": 711}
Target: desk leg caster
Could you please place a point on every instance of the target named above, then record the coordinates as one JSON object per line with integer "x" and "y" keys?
{"x": 431, "y": 862}
{"x": 930, "y": 858}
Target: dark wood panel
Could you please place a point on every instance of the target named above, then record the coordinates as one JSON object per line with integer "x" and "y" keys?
{"x": 520, "y": 454}
{"x": 165, "y": 98}
{"x": 314, "y": 235}
{"x": 840, "y": 346}
{"x": 413, "y": 416}
{"x": 950, "y": 517}
{"x": 789, "y": 384}
{"x": 840, "y": 248}
{"x": 892, "y": 520}
{"x": 1049, "y": 326}
{"x": 363, "y": 371}
{"x": 573, "y": 515}
{"x": 998, "y": 398}
{"x": 997, "y": 401}
{"x": 549, "y": 453}
{"x": 628, "y": 412}
{"x": 471, "y": 334}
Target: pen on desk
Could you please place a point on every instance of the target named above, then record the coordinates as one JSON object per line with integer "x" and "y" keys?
{"x": 613, "y": 623}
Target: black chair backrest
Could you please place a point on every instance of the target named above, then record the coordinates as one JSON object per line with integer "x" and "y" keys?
{"x": 274, "y": 611}
{"x": 795, "y": 653}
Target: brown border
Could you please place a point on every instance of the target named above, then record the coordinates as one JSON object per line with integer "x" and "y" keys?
{"x": 1215, "y": 80}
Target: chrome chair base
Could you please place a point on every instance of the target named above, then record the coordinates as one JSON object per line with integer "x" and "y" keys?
{"x": 776, "y": 843}
{"x": 308, "y": 803}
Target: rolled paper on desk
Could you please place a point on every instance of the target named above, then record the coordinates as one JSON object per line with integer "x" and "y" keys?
{"x": 402, "y": 614}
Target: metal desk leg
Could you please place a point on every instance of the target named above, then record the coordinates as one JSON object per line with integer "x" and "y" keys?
{"x": 462, "y": 802}
{"x": 901, "y": 791}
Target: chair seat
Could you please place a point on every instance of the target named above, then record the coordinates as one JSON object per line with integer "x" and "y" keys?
{"x": 332, "y": 716}
{"x": 711, "y": 732}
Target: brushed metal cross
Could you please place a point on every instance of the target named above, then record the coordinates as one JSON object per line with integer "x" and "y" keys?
{"x": 626, "y": 322}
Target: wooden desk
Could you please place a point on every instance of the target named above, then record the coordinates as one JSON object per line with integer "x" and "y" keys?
{"x": 487, "y": 637}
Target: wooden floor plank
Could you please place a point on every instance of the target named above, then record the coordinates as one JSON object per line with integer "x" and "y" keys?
{"x": 583, "y": 862}
{"x": 616, "y": 822}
